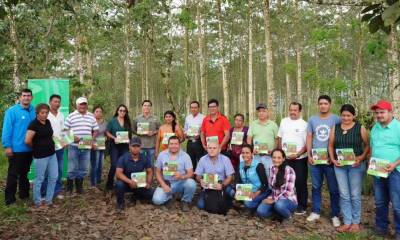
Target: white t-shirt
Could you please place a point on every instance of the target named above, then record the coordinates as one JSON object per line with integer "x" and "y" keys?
{"x": 57, "y": 123}
{"x": 293, "y": 131}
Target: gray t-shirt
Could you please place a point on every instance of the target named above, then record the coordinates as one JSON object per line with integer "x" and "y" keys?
{"x": 154, "y": 125}
{"x": 102, "y": 129}
{"x": 183, "y": 163}
{"x": 320, "y": 129}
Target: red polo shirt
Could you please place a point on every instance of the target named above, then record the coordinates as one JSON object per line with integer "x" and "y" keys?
{"x": 215, "y": 128}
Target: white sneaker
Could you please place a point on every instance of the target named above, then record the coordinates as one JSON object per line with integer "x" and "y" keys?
{"x": 336, "y": 222}
{"x": 60, "y": 196}
{"x": 313, "y": 217}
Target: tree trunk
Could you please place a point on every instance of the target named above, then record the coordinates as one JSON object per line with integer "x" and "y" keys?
{"x": 250, "y": 92}
{"x": 287, "y": 76}
{"x": 202, "y": 61}
{"x": 89, "y": 64}
{"x": 127, "y": 58}
{"x": 299, "y": 73}
{"x": 269, "y": 58}
{"x": 188, "y": 91}
{"x": 225, "y": 88}
{"x": 394, "y": 75}
{"x": 13, "y": 36}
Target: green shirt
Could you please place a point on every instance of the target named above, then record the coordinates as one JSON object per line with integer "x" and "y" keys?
{"x": 264, "y": 133}
{"x": 113, "y": 127}
{"x": 385, "y": 141}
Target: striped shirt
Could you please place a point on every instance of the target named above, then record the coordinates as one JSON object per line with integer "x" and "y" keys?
{"x": 81, "y": 124}
{"x": 287, "y": 190}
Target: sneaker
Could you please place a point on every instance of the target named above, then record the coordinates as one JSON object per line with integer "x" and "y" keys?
{"x": 60, "y": 197}
{"x": 336, "y": 222}
{"x": 313, "y": 217}
{"x": 300, "y": 212}
{"x": 185, "y": 207}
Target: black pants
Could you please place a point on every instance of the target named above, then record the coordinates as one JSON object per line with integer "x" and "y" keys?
{"x": 116, "y": 151}
{"x": 139, "y": 193}
{"x": 300, "y": 166}
{"x": 195, "y": 151}
{"x": 18, "y": 168}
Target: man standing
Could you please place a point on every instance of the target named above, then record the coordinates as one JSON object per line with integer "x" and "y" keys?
{"x": 215, "y": 127}
{"x": 385, "y": 144}
{"x": 318, "y": 130}
{"x": 192, "y": 132}
{"x": 84, "y": 125}
{"x": 174, "y": 172}
{"x": 133, "y": 162}
{"x": 262, "y": 135}
{"x": 293, "y": 134}
{"x": 16, "y": 121}
{"x": 146, "y": 127}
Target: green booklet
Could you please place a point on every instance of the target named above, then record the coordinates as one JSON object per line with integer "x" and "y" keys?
{"x": 170, "y": 168}
{"x": 66, "y": 137}
{"x": 243, "y": 192}
{"x": 320, "y": 155}
{"x": 289, "y": 148}
{"x": 193, "y": 130}
{"x": 143, "y": 128}
{"x": 377, "y": 167}
{"x": 166, "y": 137}
{"x": 210, "y": 180}
{"x": 100, "y": 143}
{"x": 139, "y": 178}
{"x": 212, "y": 139}
{"x": 261, "y": 148}
{"x": 237, "y": 138}
{"x": 122, "y": 137}
{"x": 345, "y": 156}
{"x": 85, "y": 142}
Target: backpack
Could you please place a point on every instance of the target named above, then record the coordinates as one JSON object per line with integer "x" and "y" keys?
{"x": 215, "y": 201}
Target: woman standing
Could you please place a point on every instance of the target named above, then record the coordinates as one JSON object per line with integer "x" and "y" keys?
{"x": 240, "y": 132}
{"x": 97, "y": 155}
{"x": 283, "y": 199}
{"x": 119, "y": 123}
{"x": 170, "y": 127}
{"x": 40, "y": 137}
{"x": 353, "y": 137}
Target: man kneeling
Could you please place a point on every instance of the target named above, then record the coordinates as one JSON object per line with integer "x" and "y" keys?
{"x": 134, "y": 174}
{"x": 174, "y": 172}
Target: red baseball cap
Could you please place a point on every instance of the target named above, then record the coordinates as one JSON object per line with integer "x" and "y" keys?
{"x": 382, "y": 104}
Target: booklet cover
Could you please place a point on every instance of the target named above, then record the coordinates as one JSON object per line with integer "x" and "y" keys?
{"x": 345, "y": 156}
{"x": 211, "y": 139}
{"x": 320, "y": 155}
{"x": 210, "y": 180}
{"x": 289, "y": 148}
{"x": 66, "y": 137}
{"x": 122, "y": 137}
{"x": 243, "y": 192}
{"x": 170, "y": 168}
{"x": 377, "y": 167}
{"x": 237, "y": 138}
{"x": 139, "y": 178}
{"x": 85, "y": 142}
{"x": 261, "y": 148}
{"x": 166, "y": 137}
{"x": 100, "y": 143}
{"x": 193, "y": 130}
{"x": 143, "y": 128}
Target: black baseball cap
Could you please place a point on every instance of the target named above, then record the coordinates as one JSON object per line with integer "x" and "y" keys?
{"x": 135, "y": 141}
{"x": 261, "y": 105}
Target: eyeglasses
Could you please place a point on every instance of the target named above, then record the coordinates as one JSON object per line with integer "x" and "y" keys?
{"x": 121, "y": 110}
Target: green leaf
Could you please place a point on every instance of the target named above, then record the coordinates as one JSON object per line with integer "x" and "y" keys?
{"x": 367, "y": 17}
{"x": 375, "y": 24}
{"x": 369, "y": 8}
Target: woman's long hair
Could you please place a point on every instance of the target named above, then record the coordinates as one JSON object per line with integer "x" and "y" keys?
{"x": 174, "y": 119}
{"x": 127, "y": 120}
{"x": 280, "y": 175}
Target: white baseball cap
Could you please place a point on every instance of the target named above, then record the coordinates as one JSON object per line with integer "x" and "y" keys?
{"x": 81, "y": 100}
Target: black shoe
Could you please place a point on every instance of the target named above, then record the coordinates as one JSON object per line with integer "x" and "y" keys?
{"x": 300, "y": 211}
{"x": 70, "y": 186}
{"x": 79, "y": 185}
{"x": 185, "y": 207}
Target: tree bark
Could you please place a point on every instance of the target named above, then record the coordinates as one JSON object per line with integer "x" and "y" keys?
{"x": 394, "y": 75}
{"x": 13, "y": 36}
{"x": 225, "y": 88}
{"x": 299, "y": 73}
{"x": 250, "y": 92}
{"x": 127, "y": 58}
{"x": 201, "y": 54}
{"x": 287, "y": 75}
{"x": 269, "y": 58}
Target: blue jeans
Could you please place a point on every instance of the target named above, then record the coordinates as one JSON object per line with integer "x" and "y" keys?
{"x": 140, "y": 193}
{"x": 266, "y": 160}
{"x": 387, "y": 190}
{"x": 228, "y": 190}
{"x": 283, "y": 207}
{"x": 78, "y": 162}
{"x": 42, "y": 165}
{"x": 350, "y": 181}
{"x": 96, "y": 166}
{"x": 148, "y": 154}
{"x": 59, "y": 183}
{"x": 317, "y": 178}
{"x": 116, "y": 151}
{"x": 186, "y": 187}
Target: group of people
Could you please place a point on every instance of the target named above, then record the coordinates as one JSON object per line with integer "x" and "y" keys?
{"x": 274, "y": 160}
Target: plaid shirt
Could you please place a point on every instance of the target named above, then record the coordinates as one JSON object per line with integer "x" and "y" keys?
{"x": 287, "y": 190}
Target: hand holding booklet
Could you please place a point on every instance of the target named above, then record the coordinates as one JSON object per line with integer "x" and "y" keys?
{"x": 320, "y": 156}
{"x": 377, "y": 167}
{"x": 243, "y": 192}
{"x": 139, "y": 178}
{"x": 210, "y": 181}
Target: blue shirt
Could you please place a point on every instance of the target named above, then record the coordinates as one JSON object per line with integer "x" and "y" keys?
{"x": 320, "y": 129}
{"x": 222, "y": 166}
{"x": 131, "y": 166}
{"x": 15, "y": 125}
{"x": 183, "y": 161}
{"x": 385, "y": 141}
